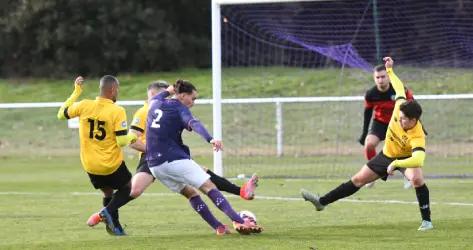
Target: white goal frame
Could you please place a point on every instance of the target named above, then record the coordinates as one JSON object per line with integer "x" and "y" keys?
{"x": 217, "y": 68}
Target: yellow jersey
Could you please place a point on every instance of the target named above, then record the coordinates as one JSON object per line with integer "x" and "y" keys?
{"x": 139, "y": 122}
{"x": 100, "y": 121}
{"x": 400, "y": 143}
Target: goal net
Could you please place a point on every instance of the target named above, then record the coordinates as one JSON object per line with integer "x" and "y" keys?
{"x": 328, "y": 49}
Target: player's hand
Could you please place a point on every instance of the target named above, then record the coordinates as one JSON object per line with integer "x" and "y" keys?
{"x": 79, "y": 81}
{"x": 391, "y": 169}
{"x": 388, "y": 62}
{"x": 216, "y": 145}
{"x": 362, "y": 139}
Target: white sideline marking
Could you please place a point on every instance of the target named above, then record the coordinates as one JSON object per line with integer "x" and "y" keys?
{"x": 257, "y": 197}
{"x": 368, "y": 201}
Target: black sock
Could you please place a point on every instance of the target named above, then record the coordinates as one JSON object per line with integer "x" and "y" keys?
{"x": 344, "y": 190}
{"x": 106, "y": 200}
{"x": 119, "y": 198}
{"x": 223, "y": 184}
{"x": 422, "y": 194}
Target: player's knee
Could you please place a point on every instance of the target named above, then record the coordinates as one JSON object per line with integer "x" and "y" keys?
{"x": 136, "y": 192}
{"x": 358, "y": 181}
{"x": 207, "y": 186}
{"x": 369, "y": 145}
{"x": 417, "y": 181}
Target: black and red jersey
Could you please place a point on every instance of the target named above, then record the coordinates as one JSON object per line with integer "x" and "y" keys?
{"x": 382, "y": 103}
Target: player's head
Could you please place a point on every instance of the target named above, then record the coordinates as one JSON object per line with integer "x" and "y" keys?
{"x": 109, "y": 87}
{"x": 410, "y": 112}
{"x": 186, "y": 93}
{"x": 156, "y": 87}
{"x": 381, "y": 77}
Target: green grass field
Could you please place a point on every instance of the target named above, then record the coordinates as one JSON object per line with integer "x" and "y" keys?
{"x": 45, "y": 203}
{"x": 45, "y": 197}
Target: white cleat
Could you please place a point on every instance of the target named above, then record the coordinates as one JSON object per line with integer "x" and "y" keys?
{"x": 425, "y": 226}
{"x": 313, "y": 198}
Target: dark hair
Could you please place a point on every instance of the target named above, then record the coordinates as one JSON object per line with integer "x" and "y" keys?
{"x": 107, "y": 81}
{"x": 159, "y": 84}
{"x": 379, "y": 68}
{"x": 411, "y": 109}
{"x": 183, "y": 86}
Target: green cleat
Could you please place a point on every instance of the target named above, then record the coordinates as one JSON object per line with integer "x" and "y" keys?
{"x": 313, "y": 198}
{"x": 425, "y": 225}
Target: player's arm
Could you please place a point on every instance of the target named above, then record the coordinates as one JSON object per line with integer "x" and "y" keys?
{"x": 121, "y": 132}
{"x": 395, "y": 81}
{"x": 137, "y": 145}
{"x": 367, "y": 114}
{"x": 161, "y": 96}
{"x": 193, "y": 124}
{"x": 138, "y": 126}
{"x": 126, "y": 139}
{"x": 62, "y": 112}
{"x": 415, "y": 161}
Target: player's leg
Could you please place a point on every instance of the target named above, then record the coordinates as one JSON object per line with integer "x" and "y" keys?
{"x": 107, "y": 197}
{"x": 371, "y": 142}
{"x": 139, "y": 183}
{"x": 195, "y": 176}
{"x": 246, "y": 191}
{"x": 222, "y": 183}
{"x": 365, "y": 175}
{"x": 416, "y": 177}
{"x": 170, "y": 175}
{"x": 120, "y": 180}
{"x": 376, "y": 134}
{"x": 202, "y": 209}
{"x": 373, "y": 170}
{"x": 142, "y": 179}
{"x": 240, "y": 225}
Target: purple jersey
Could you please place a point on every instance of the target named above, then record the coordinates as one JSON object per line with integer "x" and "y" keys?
{"x": 167, "y": 118}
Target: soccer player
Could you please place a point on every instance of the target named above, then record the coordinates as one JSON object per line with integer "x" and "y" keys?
{"x": 380, "y": 99}
{"x": 102, "y": 133}
{"x": 404, "y": 150}
{"x": 170, "y": 162}
{"x": 143, "y": 177}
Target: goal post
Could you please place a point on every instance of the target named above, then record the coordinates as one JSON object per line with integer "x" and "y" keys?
{"x": 217, "y": 70}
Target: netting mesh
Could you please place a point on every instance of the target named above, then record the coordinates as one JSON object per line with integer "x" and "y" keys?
{"x": 352, "y": 33}
{"x": 326, "y": 43}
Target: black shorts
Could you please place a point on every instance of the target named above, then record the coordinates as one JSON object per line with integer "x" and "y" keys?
{"x": 115, "y": 180}
{"x": 143, "y": 165}
{"x": 379, "y": 164}
{"x": 379, "y": 129}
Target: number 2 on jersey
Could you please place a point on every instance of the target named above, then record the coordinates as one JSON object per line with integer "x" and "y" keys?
{"x": 159, "y": 114}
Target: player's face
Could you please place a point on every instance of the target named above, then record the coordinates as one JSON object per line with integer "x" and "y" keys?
{"x": 188, "y": 99}
{"x": 406, "y": 122}
{"x": 381, "y": 79}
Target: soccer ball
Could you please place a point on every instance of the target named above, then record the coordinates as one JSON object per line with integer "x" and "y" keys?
{"x": 245, "y": 214}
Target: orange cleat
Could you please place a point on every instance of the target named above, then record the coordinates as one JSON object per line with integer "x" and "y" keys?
{"x": 222, "y": 230}
{"x": 247, "y": 191}
{"x": 94, "y": 219}
{"x": 247, "y": 227}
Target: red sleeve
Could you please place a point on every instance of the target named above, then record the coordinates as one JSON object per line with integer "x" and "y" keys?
{"x": 409, "y": 94}
{"x": 368, "y": 104}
